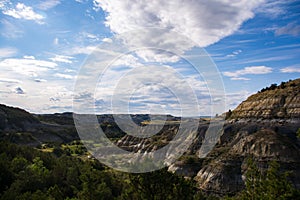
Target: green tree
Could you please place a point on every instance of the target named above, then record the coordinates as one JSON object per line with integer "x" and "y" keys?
{"x": 160, "y": 185}
{"x": 269, "y": 185}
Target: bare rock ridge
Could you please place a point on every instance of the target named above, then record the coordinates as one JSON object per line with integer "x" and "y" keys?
{"x": 282, "y": 101}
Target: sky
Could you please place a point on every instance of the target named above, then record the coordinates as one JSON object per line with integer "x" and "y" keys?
{"x": 47, "y": 47}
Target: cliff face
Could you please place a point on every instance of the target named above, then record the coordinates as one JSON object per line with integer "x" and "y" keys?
{"x": 281, "y": 101}
{"x": 262, "y": 141}
{"x": 262, "y": 128}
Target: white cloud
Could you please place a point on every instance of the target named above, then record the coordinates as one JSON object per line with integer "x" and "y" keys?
{"x": 85, "y": 37}
{"x": 273, "y": 8}
{"x": 56, "y": 41}
{"x": 7, "y": 52}
{"x": 65, "y": 76}
{"x": 234, "y": 53}
{"x": 29, "y": 57}
{"x": 204, "y": 22}
{"x": 81, "y": 1}
{"x": 90, "y": 36}
{"x": 47, "y": 4}
{"x": 40, "y": 80}
{"x": 237, "y": 75}
{"x": 109, "y": 40}
{"x": 290, "y": 29}
{"x": 24, "y": 12}
{"x": 148, "y": 86}
{"x": 2, "y": 3}
{"x": 81, "y": 50}
{"x": 9, "y": 80}
{"x": 29, "y": 67}
{"x": 235, "y": 98}
{"x": 239, "y": 79}
{"x": 290, "y": 70}
{"x": 30, "y": 83}
{"x": 63, "y": 59}
{"x": 10, "y": 30}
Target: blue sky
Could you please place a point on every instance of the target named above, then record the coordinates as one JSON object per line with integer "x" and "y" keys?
{"x": 45, "y": 43}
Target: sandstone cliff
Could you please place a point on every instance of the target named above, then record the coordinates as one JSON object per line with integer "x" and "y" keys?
{"x": 281, "y": 101}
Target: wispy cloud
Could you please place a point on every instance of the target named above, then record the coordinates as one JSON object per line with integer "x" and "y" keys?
{"x": 21, "y": 11}
{"x": 290, "y": 29}
{"x": 48, "y": 4}
{"x": 290, "y": 70}
{"x": 63, "y": 59}
{"x": 28, "y": 66}
{"x": 273, "y": 8}
{"x": 9, "y": 80}
{"x": 265, "y": 59}
{"x": 238, "y": 75}
{"x": 81, "y": 50}
{"x": 65, "y": 76}
{"x": 7, "y": 52}
{"x": 10, "y": 30}
{"x": 234, "y": 53}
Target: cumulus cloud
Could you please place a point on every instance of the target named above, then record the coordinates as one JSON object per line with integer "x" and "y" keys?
{"x": 204, "y": 22}
{"x": 21, "y": 11}
{"x": 290, "y": 29}
{"x": 254, "y": 70}
{"x": 290, "y": 70}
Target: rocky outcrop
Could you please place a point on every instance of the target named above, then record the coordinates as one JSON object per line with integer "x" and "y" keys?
{"x": 264, "y": 142}
{"x": 281, "y": 101}
{"x": 262, "y": 128}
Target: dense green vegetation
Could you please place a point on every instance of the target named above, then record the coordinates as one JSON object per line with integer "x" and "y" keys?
{"x": 269, "y": 185}
{"x": 281, "y": 86}
{"x": 54, "y": 172}
{"x": 28, "y": 173}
